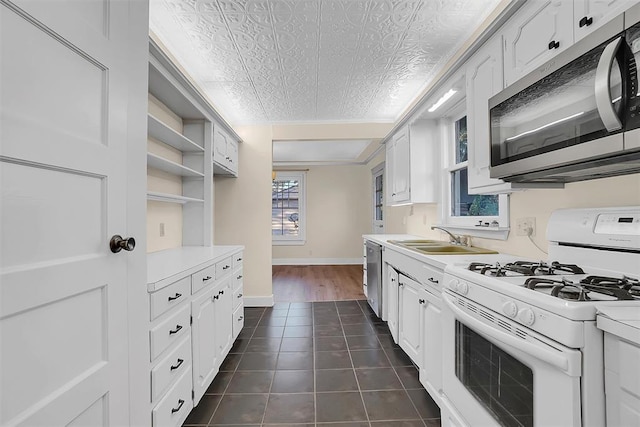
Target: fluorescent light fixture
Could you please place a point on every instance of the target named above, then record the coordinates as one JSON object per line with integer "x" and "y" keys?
{"x": 442, "y": 100}
{"x": 545, "y": 126}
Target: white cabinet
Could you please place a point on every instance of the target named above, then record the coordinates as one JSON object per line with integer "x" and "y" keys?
{"x": 431, "y": 327}
{"x": 413, "y": 164}
{"x": 536, "y": 33}
{"x": 622, "y": 385}
{"x": 225, "y": 153}
{"x": 388, "y": 172}
{"x": 409, "y": 308}
{"x": 204, "y": 343}
{"x": 223, "y": 297}
{"x": 391, "y": 293}
{"x": 589, "y": 15}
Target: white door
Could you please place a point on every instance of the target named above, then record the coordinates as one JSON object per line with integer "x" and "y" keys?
{"x": 224, "y": 318}
{"x": 409, "y": 318}
{"x": 204, "y": 343}
{"x": 401, "y": 166}
{"x": 67, "y": 78}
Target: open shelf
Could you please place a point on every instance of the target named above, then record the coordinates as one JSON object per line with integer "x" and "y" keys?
{"x": 164, "y": 133}
{"x": 171, "y": 198}
{"x": 171, "y": 167}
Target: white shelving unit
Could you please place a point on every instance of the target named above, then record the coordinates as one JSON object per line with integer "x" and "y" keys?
{"x": 168, "y": 166}
{"x": 167, "y": 135}
{"x": 171, "y": 198}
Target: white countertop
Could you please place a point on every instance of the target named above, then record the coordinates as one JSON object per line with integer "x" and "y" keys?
{"x": 438, "y": 261}
{"x": 623, "y": 322}
{"x": 165, "y": 267}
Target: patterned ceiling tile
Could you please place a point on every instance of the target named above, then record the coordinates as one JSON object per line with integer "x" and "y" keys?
{"x": 314, "y": 60}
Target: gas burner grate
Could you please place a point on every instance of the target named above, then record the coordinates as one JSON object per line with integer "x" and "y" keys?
{"x": 624, "y": 288}
{"x": 524, "y": 268}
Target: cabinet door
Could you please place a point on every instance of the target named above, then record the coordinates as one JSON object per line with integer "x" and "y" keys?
{"x": 388, "y": 165}
{"x": 409, "y": 318}
{"x": 589, "y": 15}
{"x": 401, "y": 167}
{"x": 232, "y": 154}
{"x": 224, "y": 317}
{"x": 484, "y": 79}
{"x": 391, "y": 280}
{"x": 431, "y": 368}
{"x": 204, "y": 343}
{"x": 220, "y": 140}
{"x": 538, "y": 32}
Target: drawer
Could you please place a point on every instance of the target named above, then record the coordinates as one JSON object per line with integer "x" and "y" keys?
{"x": 237, "y": 296}
{"x": 202, "y": 278}
{"x": 237, "y": 260}
{"x": 223, "y": 267}
{"x": 174, "y": 407}
{"x": 169, "y": 369}
{"x": 169, "y": 297}
{"x": 238, "y": 320}
{"x": 238, "y": 279}
{"x": 169, "y": 332}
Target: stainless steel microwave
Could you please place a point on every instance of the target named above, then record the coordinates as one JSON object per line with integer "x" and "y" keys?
{"x": 575, "y": 118}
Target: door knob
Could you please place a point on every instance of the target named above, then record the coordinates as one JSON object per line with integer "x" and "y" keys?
{"x": 117, "y": 243}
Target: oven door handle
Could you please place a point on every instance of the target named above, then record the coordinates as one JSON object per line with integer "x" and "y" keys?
{"x": 546, "y": 355}
{"x": 604, "y": 105}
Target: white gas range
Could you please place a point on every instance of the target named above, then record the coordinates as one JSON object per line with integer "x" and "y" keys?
{"x": 520, "y": 342}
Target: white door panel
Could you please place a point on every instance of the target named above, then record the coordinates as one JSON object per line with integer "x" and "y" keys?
{"x": 65, "y": 105}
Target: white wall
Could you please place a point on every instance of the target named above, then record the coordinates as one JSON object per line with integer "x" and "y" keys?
{"x": 338, "y": 214}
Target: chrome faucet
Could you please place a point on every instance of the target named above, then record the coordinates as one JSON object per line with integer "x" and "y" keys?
{"x": 454, "y": 239}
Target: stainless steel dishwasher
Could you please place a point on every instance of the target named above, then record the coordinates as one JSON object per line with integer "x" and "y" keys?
{"x": 374, "y": 277}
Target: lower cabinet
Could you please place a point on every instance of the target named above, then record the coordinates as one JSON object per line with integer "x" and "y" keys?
{"x": 196, "y": 313}
{"x": 431, "y": 336}
{"x": 409, "y": 318}
{"x": 391, "y": 282}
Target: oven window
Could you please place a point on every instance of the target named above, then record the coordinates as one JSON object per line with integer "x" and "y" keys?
{"x": 499, "y": 381}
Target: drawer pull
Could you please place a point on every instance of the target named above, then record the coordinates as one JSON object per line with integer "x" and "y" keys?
{"x": 205, "y": 279}
{"x": 554, "y": 44}
{"x": 240, "y": 318}
{"x": 176, "y": 330}
{"x": 420, "y": 301}
{"x": 220, "y": 292}
{"x": 239, "y": 259}
{"x": 177, "y": 365}
{"x": 239, "y": 295}
{"x": 175, "y": 297}
{"x": 226, "y": 267}
{"x": 177, "y": 408}
{"x": 585, "y": 21}
{"x": 216, "y": 296}
{"x": 240, "y": 277}
{"x": 432, "y": 280}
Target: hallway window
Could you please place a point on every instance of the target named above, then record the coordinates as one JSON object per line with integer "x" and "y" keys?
{"x": 288, "y": 208}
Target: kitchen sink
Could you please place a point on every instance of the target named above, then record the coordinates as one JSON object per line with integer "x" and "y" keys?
{"x": 439, "y": 247}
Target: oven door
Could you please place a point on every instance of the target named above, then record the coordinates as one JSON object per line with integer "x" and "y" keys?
{"x": 496, "y": 372}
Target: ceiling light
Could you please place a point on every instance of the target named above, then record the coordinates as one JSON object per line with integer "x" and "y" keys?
{"x": 442, "y": 100}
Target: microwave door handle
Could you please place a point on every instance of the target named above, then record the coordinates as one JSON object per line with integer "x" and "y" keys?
{"x": 551, "y": 357}
{"x": 602, "y": 91}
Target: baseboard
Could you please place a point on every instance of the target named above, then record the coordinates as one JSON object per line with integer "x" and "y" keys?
{"x": 316, "y": 261}
{"x": 266, "y": 301}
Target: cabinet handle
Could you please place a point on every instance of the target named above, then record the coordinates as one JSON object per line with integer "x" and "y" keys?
{"x": 239, "y": 295}
{"x": 554, "y": 44}
{"x": 216, "y": 296}
{"x": 393, "y": 280}
{"x": 176, "y": 330}
{"x": 239, "y": 259}
{"x": 240, "y": 318}
{"x": 175, "y": 297}
{"x": 420, "y": 301}
{"x": 177, "y": 408}
{"x": 205, "y": 279}
{"x": 177, "y": 365}
{"x": 225, "y": 267}
{"x": 240, "y": 277}
{"x": 585, "y": 22}
{"x": 432, "y": 280}
{"x": 220, "y": 292}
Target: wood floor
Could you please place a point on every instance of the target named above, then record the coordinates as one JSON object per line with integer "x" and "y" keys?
{"x": 302, "y": 283}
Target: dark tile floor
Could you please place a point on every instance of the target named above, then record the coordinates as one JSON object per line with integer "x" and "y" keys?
{"x": 316, "y": 364}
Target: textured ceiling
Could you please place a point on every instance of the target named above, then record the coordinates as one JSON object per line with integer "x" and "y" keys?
{"x": 331, "y": 151}
{"x": 314, "y": 60}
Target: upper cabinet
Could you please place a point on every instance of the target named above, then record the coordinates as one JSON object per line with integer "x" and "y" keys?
{"x": 536, "y": 33}
{"x": 413, "y": 164}
{"x": 483, "y": 80}
{"x": 589, "y": 15}
{"x": 225, "y": 153}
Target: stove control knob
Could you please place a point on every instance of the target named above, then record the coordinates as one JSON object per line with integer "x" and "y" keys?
{"x": 453, "y": 284}
{"x": 463, "y": 288}
{"x": 510, "y": 309}
{"x": 527, "y": 316}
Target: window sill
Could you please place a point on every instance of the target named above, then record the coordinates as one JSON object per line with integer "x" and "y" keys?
{"x": 494, "y": 233}
{"x": 288, "y": 242}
